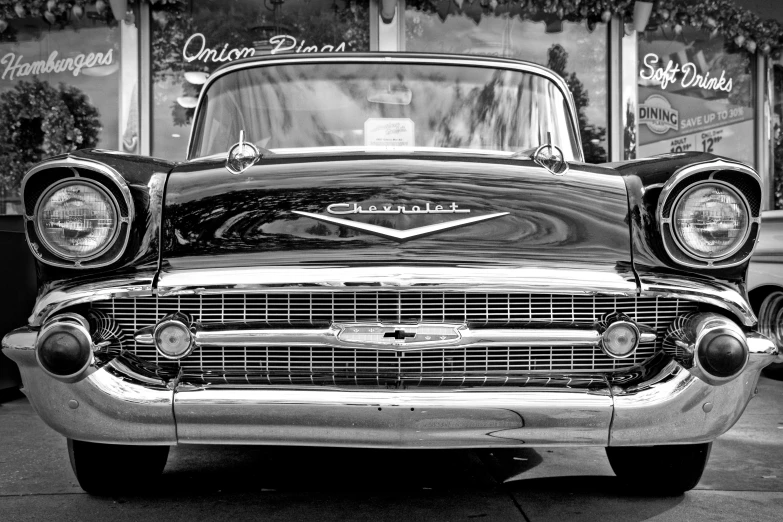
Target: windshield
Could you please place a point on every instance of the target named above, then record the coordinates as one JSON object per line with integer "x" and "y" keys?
{"x": 383, "y": 105}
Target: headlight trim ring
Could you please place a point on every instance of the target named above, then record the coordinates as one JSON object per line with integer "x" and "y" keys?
{"x": 692, "y": 176}
{"x": 103, "y": 178}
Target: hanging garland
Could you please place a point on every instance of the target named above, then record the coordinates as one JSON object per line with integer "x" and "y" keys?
{"x": 742, "y": 29}
{"x": 53, "y": 11}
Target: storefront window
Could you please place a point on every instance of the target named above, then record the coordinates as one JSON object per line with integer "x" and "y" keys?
{"x": 576, "y": 52}
{"x": 191, "y": 38}
{"x": 61, "y": 86}
{"x": 694, "y": 95}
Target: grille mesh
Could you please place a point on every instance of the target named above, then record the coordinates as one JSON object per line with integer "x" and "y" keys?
{"x": 338, "y": 365}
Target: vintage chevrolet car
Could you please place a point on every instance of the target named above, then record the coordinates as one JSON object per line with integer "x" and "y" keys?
{"x": 392, "y": 251}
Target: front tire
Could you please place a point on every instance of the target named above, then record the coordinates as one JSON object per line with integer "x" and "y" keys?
{"x": 113, "y": 469}
{"x": 667, "y": 470}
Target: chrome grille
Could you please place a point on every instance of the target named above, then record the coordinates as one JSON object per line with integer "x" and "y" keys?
{"x": 322, "y": 364}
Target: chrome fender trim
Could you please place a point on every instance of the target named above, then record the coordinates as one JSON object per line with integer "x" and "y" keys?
{"x": 113, "y": 404}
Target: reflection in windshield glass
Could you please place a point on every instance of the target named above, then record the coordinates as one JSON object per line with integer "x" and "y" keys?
{"x": 383, "y": 105}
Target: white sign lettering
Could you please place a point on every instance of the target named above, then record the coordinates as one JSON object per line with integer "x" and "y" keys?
{"x": 195, "y": 48}
{"x": 206, "y": 54}
{"x": 16, "y": 67}
{"x": 690, "y": 76}
{"x": 280, "y": 42}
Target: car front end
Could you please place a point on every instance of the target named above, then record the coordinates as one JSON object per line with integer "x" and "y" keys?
{"x": 399, "y": 268}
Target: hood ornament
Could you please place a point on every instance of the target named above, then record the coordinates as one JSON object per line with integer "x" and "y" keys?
{"x": 243, "y": 155}
{"x": 551, "y": 158}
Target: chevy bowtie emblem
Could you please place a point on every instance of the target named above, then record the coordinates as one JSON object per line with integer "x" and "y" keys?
{"x": 400, "y": 235}
{"x": 399, "y": 336}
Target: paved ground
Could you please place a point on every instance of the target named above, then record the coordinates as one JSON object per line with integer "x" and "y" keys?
{"x": 743, "y": 482}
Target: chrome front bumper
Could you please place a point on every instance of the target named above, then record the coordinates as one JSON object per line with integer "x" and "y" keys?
{"x": 117, "y": 402}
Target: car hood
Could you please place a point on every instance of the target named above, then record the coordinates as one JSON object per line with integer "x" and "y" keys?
{"x": 362, "y": 210}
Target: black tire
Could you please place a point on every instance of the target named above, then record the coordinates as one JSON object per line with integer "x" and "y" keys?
{"x": 660, "y": 470}
{"x": 774, "y": 371}
{"x": 114, "y": 469}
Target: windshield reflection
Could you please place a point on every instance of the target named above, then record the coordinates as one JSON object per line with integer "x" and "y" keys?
{"x": 386, "y": 106}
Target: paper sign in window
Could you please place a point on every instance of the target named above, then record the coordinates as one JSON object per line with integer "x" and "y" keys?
{"x": 388, "y": 132}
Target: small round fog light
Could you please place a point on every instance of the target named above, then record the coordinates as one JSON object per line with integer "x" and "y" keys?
{"x": 620, "y": 339}
{"x": 173, "y": 338}
{"x": 64, "y": 349}
{"x": 722, "y": 355}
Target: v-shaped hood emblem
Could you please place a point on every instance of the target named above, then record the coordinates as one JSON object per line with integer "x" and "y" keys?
{"x": 400, "y": 235}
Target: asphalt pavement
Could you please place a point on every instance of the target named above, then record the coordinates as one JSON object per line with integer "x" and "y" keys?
{"x": 743, "y": 480}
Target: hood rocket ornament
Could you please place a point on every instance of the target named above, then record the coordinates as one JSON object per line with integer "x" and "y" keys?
{"x": 243, "y": 155}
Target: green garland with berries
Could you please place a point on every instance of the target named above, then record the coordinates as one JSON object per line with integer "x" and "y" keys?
{"x": 50, "y": 10}
{"x": 742, "y": 29}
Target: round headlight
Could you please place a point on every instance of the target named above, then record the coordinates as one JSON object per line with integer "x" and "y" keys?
{"x": 711, "y": 221}
{"x": 77, "y": 220}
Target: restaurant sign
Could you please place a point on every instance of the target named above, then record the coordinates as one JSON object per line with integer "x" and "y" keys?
{"x": 15, "y": 66}
{"x": 678, "y": 123}
{"x": 195, "y": 49}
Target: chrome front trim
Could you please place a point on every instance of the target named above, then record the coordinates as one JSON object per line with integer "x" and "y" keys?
{"x": 385, "y": 336}
{"x": 678, "y": 407}
{"x": 712, "y": 292}
{"x": 174, "y": 282}
{"x": 426, "y": 59}
{"x": 62, "y": 295}
{"x": 120, "y": 403}
{"x": 222, "y": 335}
{"x": 399, "y": 278}
{"x": 115, "y": 403}
{"x": 113, "y": 177}
{"x": 394, "y": 419}
{"x": 681, "y": 176}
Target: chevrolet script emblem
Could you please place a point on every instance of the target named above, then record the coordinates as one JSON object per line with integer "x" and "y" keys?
{"x": 397, "y": 336}
{"x": 391, "y": 233}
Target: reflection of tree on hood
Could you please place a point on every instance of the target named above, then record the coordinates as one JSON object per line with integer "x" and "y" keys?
{"x": 591, "y": 134}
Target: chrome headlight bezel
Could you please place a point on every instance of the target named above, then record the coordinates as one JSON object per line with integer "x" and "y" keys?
{"x": 677, "y": 232}
{"x": 45, "y": 177}
{"x": 743, "y": 181}
{"x": 44, "y": 198}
